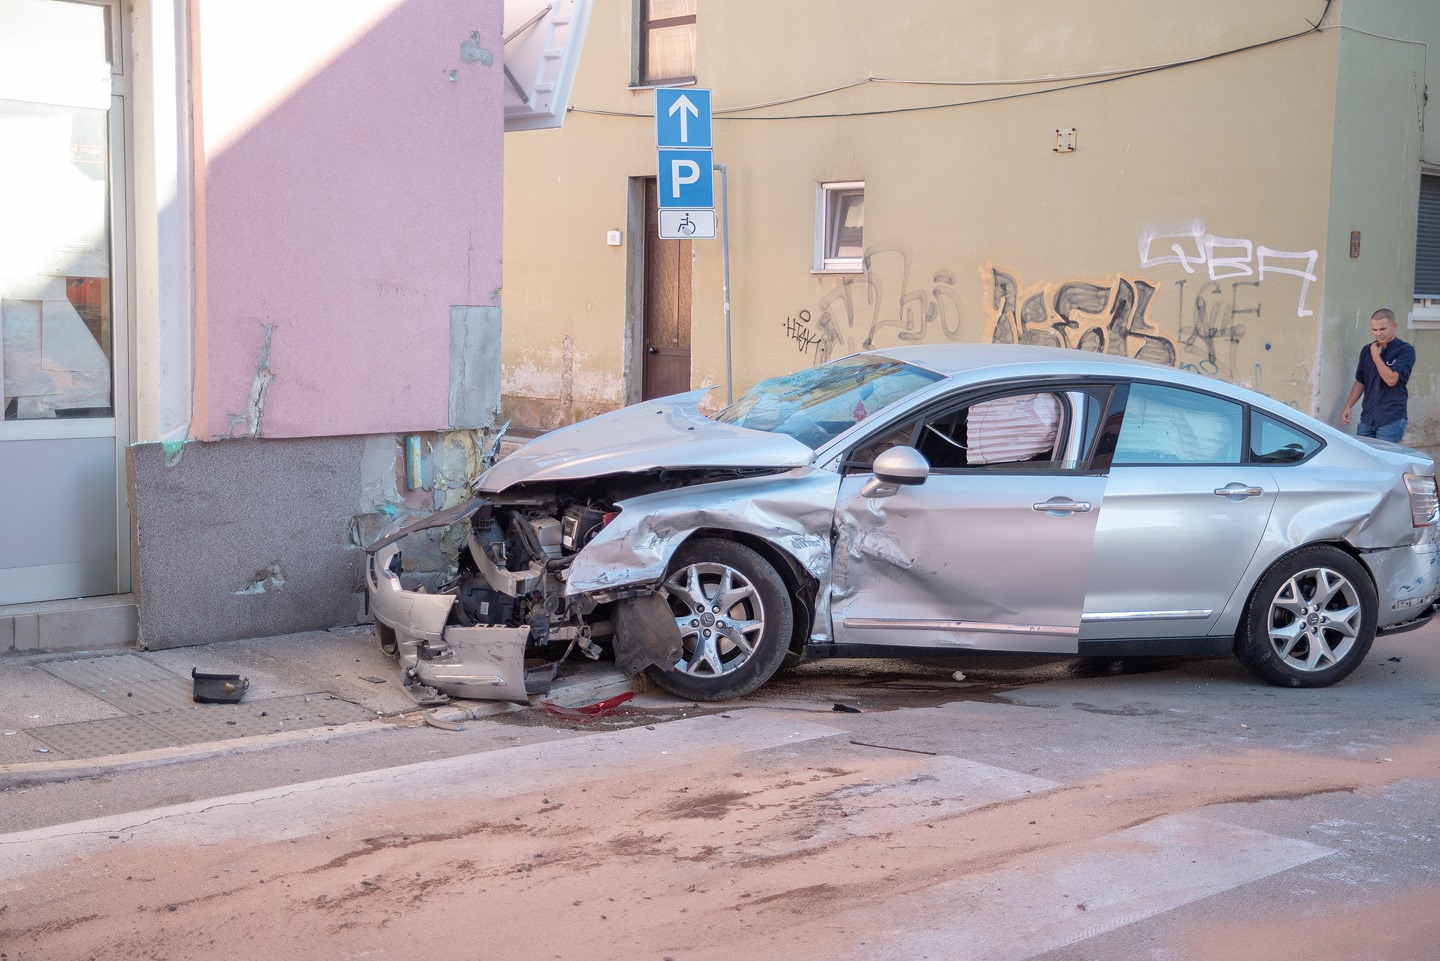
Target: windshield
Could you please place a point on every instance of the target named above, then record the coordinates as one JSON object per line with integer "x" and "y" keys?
{"x": 817, "y": 404}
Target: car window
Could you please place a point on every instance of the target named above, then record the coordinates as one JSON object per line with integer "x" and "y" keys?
{"x": 1167, "y": 425}
{"x": 816, "y": 404}
{"x": 1023, "y": 431}
{"x": 1276, "y": 442}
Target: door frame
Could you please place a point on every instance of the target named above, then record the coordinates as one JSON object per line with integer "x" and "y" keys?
{"x": 120, "y": 424}
{"x": 633, "y": 348}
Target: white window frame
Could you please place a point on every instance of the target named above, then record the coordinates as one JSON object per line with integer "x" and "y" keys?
{"x": 1425, "y": 311}
{"x": 827, "y": 206}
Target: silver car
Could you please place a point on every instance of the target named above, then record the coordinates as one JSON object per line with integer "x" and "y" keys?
{"x": 921, "y": 499}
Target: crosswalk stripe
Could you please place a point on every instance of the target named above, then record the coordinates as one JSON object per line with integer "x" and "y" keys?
{"x": 294, "y": 810}
{"x": 1069, "y": 893}
{"x": 936, "y": 788}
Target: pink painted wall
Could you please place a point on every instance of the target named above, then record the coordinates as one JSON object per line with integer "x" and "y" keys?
{"x": 348, "y": 194}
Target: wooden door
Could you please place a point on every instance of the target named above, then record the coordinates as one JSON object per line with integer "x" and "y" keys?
{"x": 665, "y": 368}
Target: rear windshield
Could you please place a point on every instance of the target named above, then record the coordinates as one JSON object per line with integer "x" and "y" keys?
{"x": 817, "y": 404}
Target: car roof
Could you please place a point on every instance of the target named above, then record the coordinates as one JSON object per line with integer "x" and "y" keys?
{"x": 951, "y": 359}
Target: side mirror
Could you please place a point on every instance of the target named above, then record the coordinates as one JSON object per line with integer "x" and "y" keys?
{"x": 895, "y": 468}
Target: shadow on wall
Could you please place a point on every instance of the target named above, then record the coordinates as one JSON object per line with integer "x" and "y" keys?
{"x": 340, "y": 221}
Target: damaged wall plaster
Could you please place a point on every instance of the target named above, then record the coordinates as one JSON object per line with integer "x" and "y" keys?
{"x": 270, "y": 578}
{"x": 472, "y": 51}
{"x": 251, "y": 422}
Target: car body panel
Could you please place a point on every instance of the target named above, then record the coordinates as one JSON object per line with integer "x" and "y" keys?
{"x": 958, "y": 562}
{"x": 1182, "y": 590}
{"x": 666, "y": 433}
{"x": 792, "y": 511}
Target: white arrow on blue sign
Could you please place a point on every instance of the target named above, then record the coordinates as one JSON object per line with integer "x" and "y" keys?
{"x": 685, "y": 179}
{"x": 682, "y": 117}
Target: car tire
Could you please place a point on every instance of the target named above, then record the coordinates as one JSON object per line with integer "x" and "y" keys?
{"x": 389, "y": 643}
{"x": 1310, "y": 620}
{"x": 734, "y": 615}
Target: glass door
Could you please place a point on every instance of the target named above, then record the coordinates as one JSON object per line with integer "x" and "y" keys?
{"x": 61, "y": 302}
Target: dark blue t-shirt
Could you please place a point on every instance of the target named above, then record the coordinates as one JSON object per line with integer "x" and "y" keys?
{"x": 1384, "y": 404}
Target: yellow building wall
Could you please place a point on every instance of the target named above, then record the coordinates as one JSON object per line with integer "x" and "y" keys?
{"x": 1206, "y": 179}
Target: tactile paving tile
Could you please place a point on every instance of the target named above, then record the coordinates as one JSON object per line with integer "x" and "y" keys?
{"x": 113, "y": 735}
{"x": 198, "y": 724}
{"x": 130, "y": 683}
{"x": 221, "y": 722}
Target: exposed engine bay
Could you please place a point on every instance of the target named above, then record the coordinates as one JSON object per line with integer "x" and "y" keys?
{"x": 499, "y": 624}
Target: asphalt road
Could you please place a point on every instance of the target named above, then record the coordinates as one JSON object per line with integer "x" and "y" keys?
{"x": 1038, "y": 808}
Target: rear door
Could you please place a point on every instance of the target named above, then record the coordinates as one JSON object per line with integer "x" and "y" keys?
{"x": 1183, "y": 516}
{"x": 993, "y": 551}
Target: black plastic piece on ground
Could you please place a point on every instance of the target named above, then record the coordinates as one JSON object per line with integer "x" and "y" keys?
{"x": 218, "y": 688}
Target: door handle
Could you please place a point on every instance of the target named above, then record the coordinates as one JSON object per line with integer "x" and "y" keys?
{"x": 1238, "y": 490}
{"x": 652, "y": 350}
{"x": 1062, "y": 507}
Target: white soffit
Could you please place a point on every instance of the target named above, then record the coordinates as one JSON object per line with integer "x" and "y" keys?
{"x": 543, "y": 39}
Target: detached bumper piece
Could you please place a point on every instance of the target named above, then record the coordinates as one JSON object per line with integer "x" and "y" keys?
{"x": 218, "y": 688}
{"x": 478, "y": 663}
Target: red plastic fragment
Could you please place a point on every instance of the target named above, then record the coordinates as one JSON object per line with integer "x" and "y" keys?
{"x": 587, "y": 712}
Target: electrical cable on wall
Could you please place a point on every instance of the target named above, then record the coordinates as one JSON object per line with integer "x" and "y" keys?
{"x": 1091, "y": 79}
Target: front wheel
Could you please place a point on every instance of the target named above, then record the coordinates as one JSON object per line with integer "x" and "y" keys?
{"x": 734, "y": 616}
{"x": 1310, "y": 621}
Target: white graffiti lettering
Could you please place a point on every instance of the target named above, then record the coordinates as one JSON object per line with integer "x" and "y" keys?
{"x": 1228, "y": 257}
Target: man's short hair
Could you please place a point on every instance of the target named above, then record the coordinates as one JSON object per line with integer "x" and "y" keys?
{"x": 1384, "y": 313}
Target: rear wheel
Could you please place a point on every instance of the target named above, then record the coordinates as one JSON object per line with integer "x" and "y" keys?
{"x": 1311, "y": 619}
{"x": 734, "y": 616}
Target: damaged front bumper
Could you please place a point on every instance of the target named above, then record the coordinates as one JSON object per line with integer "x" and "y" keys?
{"x": 470, "y": 636}
{"x": 439, "y": 659}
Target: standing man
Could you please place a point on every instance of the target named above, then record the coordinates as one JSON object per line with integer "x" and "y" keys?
{"x": 1381, "y": 376}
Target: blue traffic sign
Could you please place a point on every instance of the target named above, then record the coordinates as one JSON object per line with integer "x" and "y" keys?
{"x": 682, "y": 117}
{"x": 685, "y": 179}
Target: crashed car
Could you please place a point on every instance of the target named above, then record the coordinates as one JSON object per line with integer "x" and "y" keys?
{"x": 923, "y": 499}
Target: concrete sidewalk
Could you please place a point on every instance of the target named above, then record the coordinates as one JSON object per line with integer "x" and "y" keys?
{"x": 77, "y": 713}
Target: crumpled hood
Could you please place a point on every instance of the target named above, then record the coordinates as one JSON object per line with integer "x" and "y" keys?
{"x": 667, "y": 433}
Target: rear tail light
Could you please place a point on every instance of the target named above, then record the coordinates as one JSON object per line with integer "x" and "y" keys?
{"x": 1424, "y": 501}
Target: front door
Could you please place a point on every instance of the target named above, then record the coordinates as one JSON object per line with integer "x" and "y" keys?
{"x": 992, "y": 551}
{"x": 61, "y": 301}
{"x": 665, "y": 365}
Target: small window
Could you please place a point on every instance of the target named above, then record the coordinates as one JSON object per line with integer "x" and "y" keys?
{"x": 840, "y": 226}
{"x": 1167, "y": 425}
{"x": 1425, "y": 313}
{"x": 1276, "y": 442}
{"x": 666, "y": 43}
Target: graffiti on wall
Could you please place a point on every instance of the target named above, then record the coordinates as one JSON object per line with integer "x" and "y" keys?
{"x": 1191, "y": 304}
{"x": 878, "y": 307}
{"x": 1211, "y": 323}
{"x": 1107, "y": 317}
{"x": 1223, "y": 258}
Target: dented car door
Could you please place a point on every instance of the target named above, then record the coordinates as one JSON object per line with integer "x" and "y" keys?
{"x": 990, "y": 552}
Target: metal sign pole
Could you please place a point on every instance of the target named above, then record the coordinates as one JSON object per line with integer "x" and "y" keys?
{"x": 725, "y": 274}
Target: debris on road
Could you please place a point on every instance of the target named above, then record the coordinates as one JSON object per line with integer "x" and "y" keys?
{"x": 442, "y": 723}
{"x": 588, "y": 711}
{"x": 218, "y": 688}
{"x": 891, "y": 747}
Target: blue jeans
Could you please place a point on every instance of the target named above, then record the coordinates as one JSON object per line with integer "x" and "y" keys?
{"x": 1392, "y": 431}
